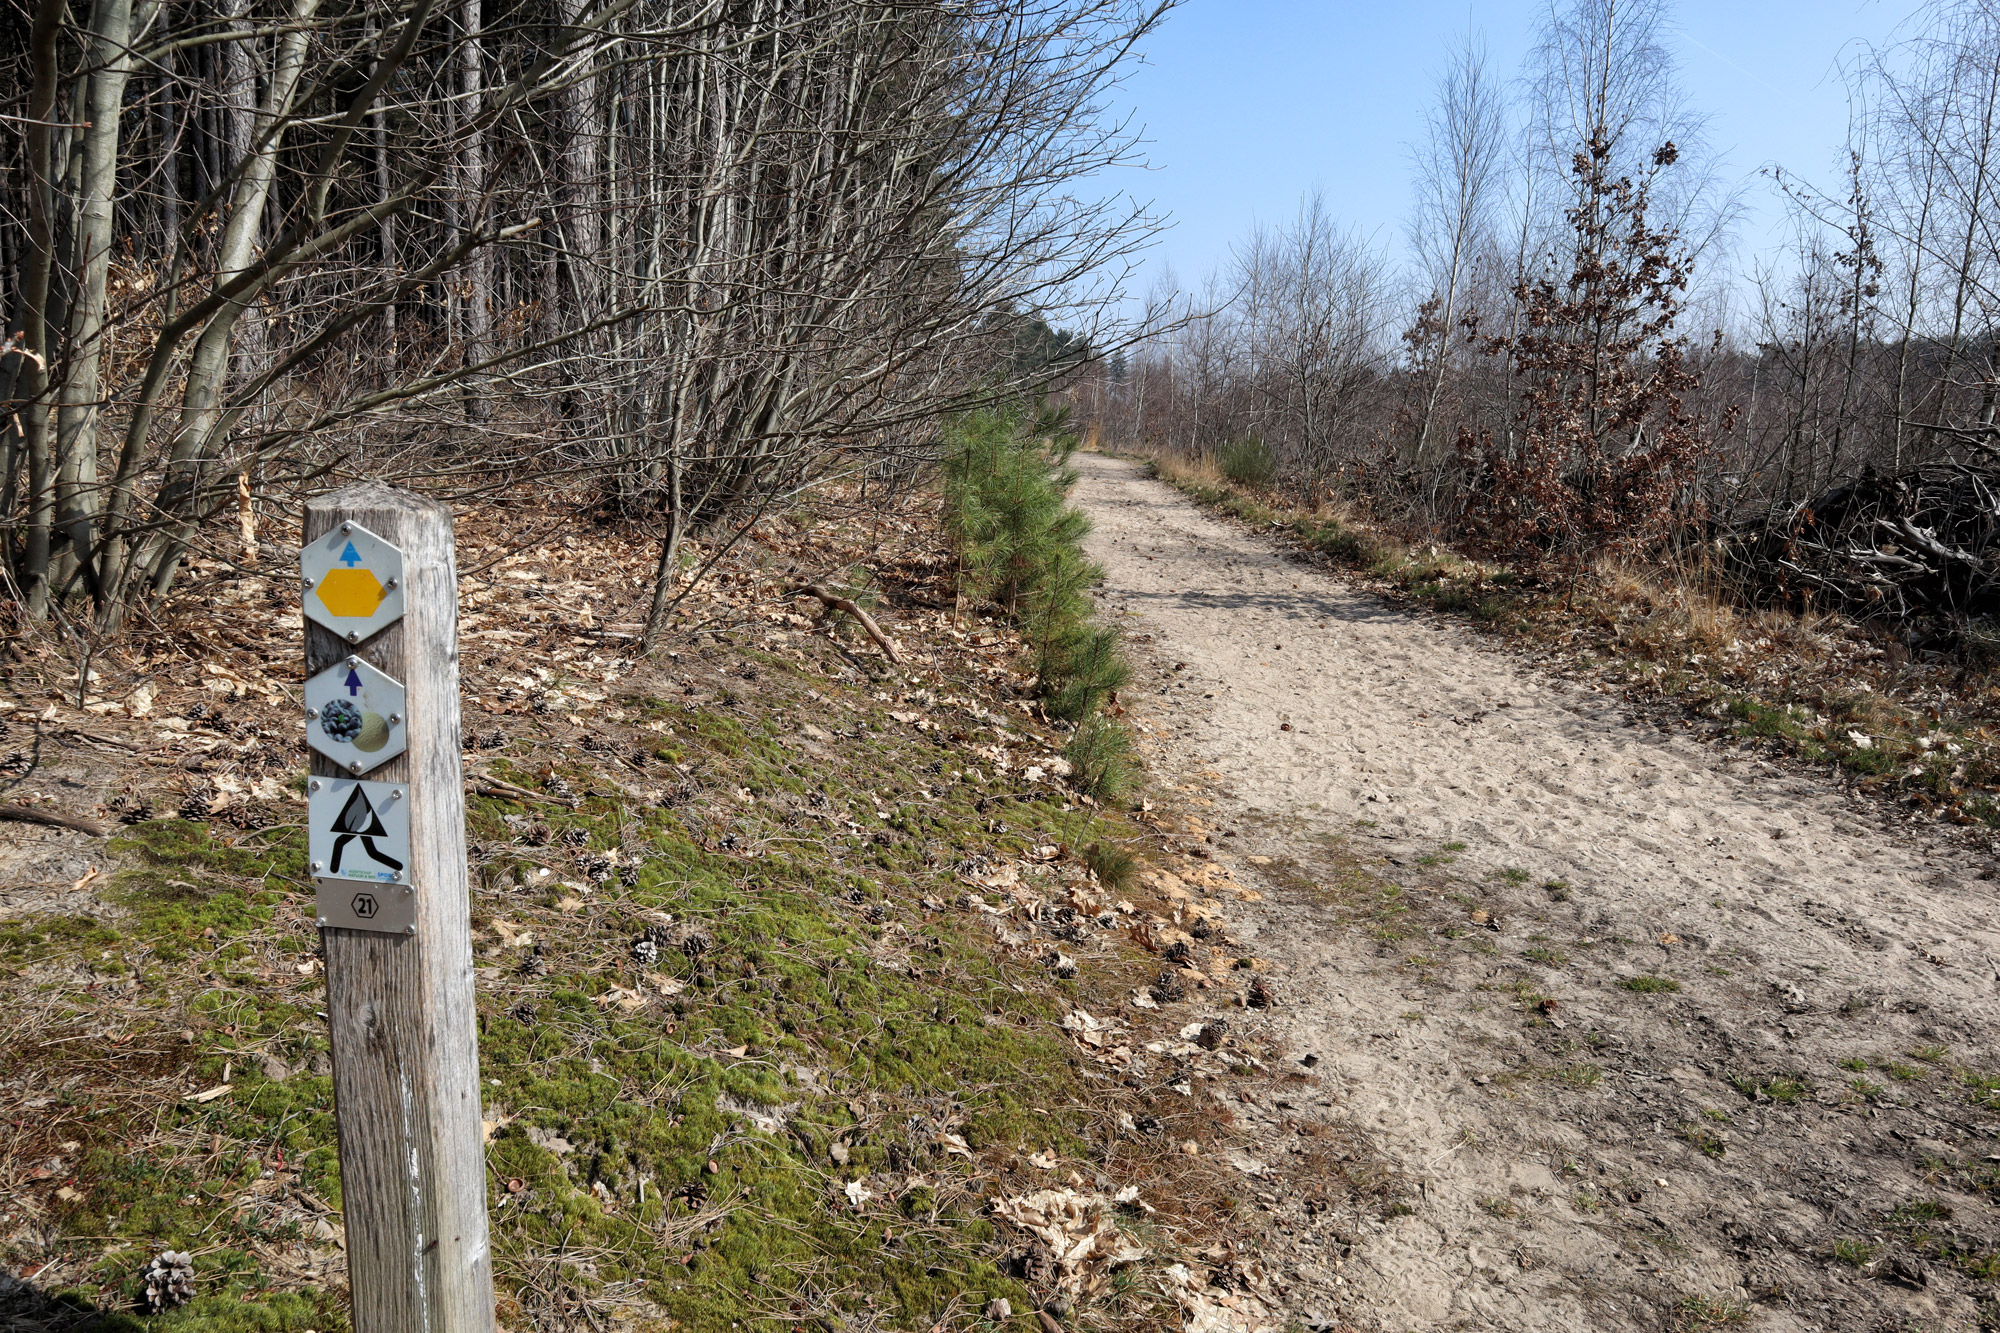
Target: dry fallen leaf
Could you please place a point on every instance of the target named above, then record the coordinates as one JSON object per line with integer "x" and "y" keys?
{"x": 624, "y": 999}
{"x": 511, "y": 935}
{"x": 1079, "y": 1231}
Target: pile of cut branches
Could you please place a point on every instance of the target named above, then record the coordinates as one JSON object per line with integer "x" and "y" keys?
{"x": 1921, "y": 547}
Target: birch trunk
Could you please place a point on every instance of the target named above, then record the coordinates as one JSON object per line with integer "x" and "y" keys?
{"x": 79, "y": 401}
{"x": 31, "y": 424}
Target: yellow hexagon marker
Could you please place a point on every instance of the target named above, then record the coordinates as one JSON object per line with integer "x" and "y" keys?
{"x": 353, "y": 582}
{"x": 350, "y": 593}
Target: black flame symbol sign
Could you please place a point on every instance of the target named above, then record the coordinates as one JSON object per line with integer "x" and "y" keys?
{"x": 358, "y": 820}
{"x": 364, "y": 905}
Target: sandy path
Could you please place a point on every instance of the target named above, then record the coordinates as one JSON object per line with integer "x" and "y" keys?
{"x": 1563, "y": 1157}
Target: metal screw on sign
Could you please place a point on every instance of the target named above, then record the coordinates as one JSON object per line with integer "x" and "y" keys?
{"x": 386, "y": 834}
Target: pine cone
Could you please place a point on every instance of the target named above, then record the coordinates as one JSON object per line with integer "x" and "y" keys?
{"x": 169, "y": 1281}
{"x": 1229, "y": 1276}
{"x": 645, "y": 953}
{"x": 1169, "y": 988}
{"x": 1036, "y": 1265}
{"x": 131, "y": 808}
{"x": 1212, "y": 1034}
{"x": 1261, "y": 995}
{"x": 197, "y": 802}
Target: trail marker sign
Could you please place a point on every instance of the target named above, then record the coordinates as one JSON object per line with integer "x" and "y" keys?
{"x": 353, "y": 582}
{"x": 355, "y": 715}
{"x": 388, "y": 859}
{"x": 358, "y": 839}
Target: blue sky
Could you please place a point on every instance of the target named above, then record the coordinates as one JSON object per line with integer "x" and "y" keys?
{"x": 1247, "y": 104}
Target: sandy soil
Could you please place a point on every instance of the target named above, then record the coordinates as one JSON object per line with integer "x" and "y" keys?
{"x": 42, "y": 868}
{"x": 1466, "y": 858}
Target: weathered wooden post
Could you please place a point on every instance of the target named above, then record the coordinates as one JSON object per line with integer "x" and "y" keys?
{"x": 386, "y": 804}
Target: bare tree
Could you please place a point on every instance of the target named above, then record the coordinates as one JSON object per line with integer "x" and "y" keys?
{"x": 1319, "y": 340}
{"x": 691, "y": 255}
{"x": 1458, "y": 176}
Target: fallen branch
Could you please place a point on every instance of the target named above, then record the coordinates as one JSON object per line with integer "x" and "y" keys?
{"x": 27, "y": 814}
{"x": 78, "y": 733}
{"x": 852, "y": 608}
{"x": 481, "y": 785}
{"x": 1920, "y": 546}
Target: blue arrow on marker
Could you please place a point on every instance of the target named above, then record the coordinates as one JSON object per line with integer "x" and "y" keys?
{"x": 353, "y": 681}
{"x": 350, "y": 557}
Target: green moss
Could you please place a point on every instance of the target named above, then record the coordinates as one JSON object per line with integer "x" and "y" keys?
{"x": 227, "y": 1312}
{"x": 184, "y": 880}
{"x": 1783, "y": 1088}
{"x": 1705, "y": 1141}
{"x": 810, "y": 1017}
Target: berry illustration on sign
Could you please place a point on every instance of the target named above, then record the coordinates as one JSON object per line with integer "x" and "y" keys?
{"x": 355, "y": 715}
{"x": 352, "y": 582}
{"x": 359, "y": 833}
